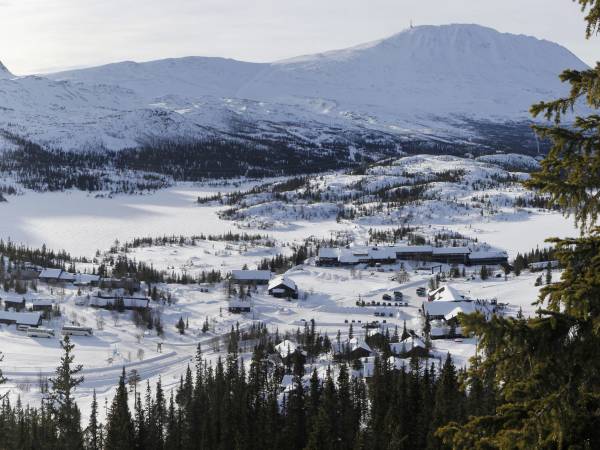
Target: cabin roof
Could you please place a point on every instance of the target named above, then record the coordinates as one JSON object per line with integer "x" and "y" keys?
{"x": 487, "y": 254}
{"x": 443, "y": 308}
{"x": 51, "y": 273}
{"x": 329, "y": 252}
{"x": 25, "y": 318}
{"x": 451, "y": 250}
{"x": 42, "y": 302}
{"x": 262, "y": 275}
{"x": 286, "y": 348}
{"x": 282, "y": 280}
{"x": 446, "y": 293}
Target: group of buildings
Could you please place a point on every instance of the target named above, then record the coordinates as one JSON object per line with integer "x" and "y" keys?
{"x": 28, "y": 312}
{"x": 390, "y": 254}
{"x": 446, "y": 303}
{"x": 279, "y": 286}
{"x": 60, "y": 276}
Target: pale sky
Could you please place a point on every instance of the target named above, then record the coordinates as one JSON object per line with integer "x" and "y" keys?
{"x": 48, "y": 35}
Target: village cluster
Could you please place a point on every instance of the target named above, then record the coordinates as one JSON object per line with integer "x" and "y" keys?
{"x": 467, "y": 255}
{"x": 28, "y": 313}
{"x": 362, "y": 302}
{"x": 361, "y": 340}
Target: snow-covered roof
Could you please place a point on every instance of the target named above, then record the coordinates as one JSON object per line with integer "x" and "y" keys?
{"x": 248, "y": 275}
{"x": 438, "y": 331}
{"x": 382, "y": 252}
{"x": 351, "y": 345}
{"x": 25, "y": 318}
{"x": 329, "y": 252}
{"x": 451, "y": 250}
{"x": 443, "y": 308}
{"x": 348, "y": 257}
{"x": 286, "y": 348}
{"x": 455, "y": 312}
{"x": 86, "y": 278}
{"x": 42, "y": 301}
{"x": 239, "y": 304}
{"x": 415, "y": 341}
{"x": 487, "y": 254}
{"x": 66, "y": 276}
{"x": 396, "y": 363}
{"x": 543, "y": 264}
{"x": 282, "y": 280}
{"x": 57, "y": 274}
{"x": 407, "y": 344}
{"x": 356, "y": 343}
{"x": 446, "y": 293}
{"x": 51, "y": 273}
{"x": 128, "y": 302}
{"x": 360, "y": 253}
{"x": 413, "y": 249}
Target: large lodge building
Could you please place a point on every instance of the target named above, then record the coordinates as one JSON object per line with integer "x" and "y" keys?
{"x": 350, "y": 256}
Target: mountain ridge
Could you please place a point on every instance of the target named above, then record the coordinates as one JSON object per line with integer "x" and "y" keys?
{"x": 424, "y": 83}
{"x": 4, "y": 72}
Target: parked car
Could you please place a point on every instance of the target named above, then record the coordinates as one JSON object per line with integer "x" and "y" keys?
{"x": 386, "y": 297}
{"x": 398, "y": 295}
{"x": 421, "y": 292}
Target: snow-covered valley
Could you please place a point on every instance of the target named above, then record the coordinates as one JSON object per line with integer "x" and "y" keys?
{"x": 158, "y": 206}
{"x": 461, "y": 201}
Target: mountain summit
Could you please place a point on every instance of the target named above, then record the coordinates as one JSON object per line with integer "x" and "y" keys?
{"x": 427, "y": 82}
{"x": 428, "y": 70}
{"x": 4, "y": 72}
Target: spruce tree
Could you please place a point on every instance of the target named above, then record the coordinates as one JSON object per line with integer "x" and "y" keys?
{"x": 159, "y": 413}
{"x": 2, "y": 378}
{"x": 119, "y": 426}
{"x": 139, "y": 425}
{"x": 348, "y": 418}
{"x": 180, "y": 326}
{"x": 447, "y": 400}
{"x": 547, "y": 368}
{"x": 64, "y": 408}
{"x": 92, "y": 440}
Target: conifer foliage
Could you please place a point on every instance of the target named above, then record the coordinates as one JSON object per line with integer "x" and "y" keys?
{"x": 546, "y": 370}
{"x": 226, "y": 406}
{"x": 62, "y": 403}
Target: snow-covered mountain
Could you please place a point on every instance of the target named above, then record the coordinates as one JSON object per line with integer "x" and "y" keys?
{"x": 4, "y": 72}
{"x": 432, "y": 82}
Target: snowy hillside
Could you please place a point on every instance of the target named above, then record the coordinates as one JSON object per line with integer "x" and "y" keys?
{"x": 426, "y": 83}
{"x": 4, "y": 72}
{"x": 425, "y": 71}
{"x": 420, "y": 189}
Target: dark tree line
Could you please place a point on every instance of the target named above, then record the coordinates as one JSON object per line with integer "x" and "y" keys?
{"x": 226, "y": 406}
{"x": 43, "y": 257}
{"x": 281, "y": 263}
{"x": 537, "y": 255}
{"x": 192, "y": 240}
{"x": 160, "y": 162}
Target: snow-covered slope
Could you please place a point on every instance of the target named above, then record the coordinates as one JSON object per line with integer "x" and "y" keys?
{"x": 426, "y": 82}
{"x": 425, "y": 71}
{"x": 4, "y": 72}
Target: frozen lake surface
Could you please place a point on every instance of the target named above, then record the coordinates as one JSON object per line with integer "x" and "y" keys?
{"x": 81, "y": 223}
